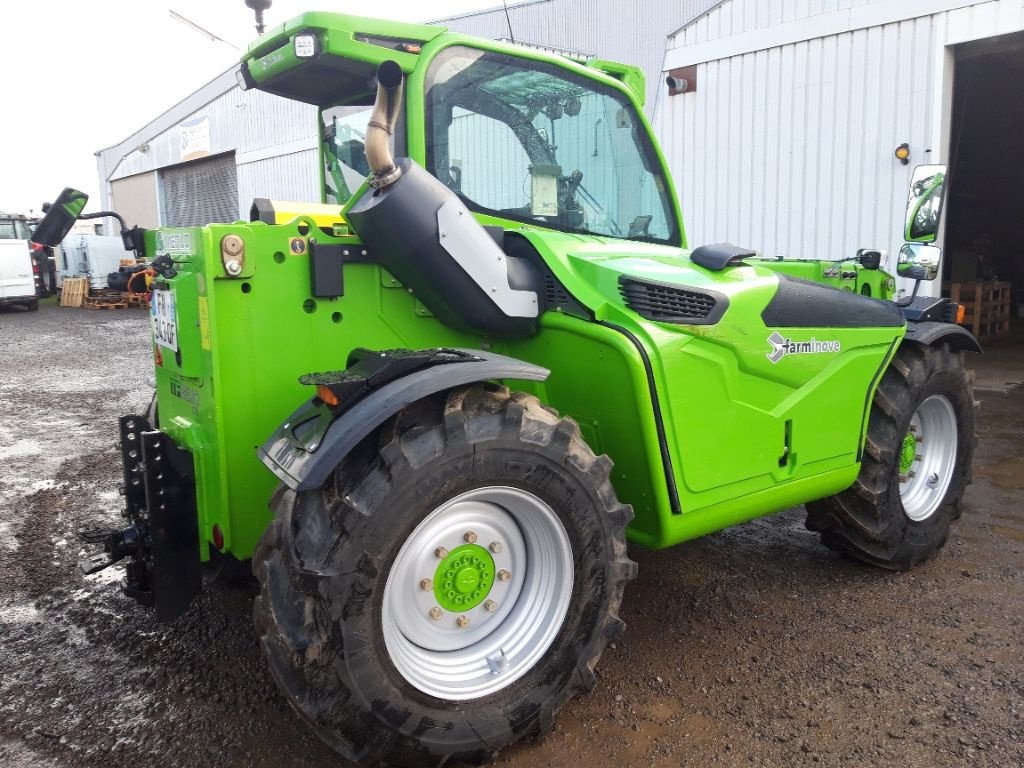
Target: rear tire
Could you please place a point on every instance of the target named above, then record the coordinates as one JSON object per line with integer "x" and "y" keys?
{"x": 347, "y": 619}
{"x": 32, "y": 305}
{"x": 916, "y": 464}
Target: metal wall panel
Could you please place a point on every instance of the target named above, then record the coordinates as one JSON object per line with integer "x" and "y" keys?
{"x": 135, "y": 198}
{"x": 293, "y": 176}
{"x": 631, "y": 32}
{"x": 790, "y": 150}
{"x": 240, "y": 121}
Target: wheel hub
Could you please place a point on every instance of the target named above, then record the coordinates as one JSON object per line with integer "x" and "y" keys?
{"x": 464, "y": 579}
{"x": 907, "y": 453}
{"x": 927, "y": 459}
{"x": 462, "y": 620}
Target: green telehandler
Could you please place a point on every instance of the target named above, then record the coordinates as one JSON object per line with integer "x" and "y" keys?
{"x": 432, "y": 407}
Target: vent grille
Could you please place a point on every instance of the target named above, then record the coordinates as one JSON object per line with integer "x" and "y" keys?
{"x": 554, "y": 294}
{"x": 667, "y": 303}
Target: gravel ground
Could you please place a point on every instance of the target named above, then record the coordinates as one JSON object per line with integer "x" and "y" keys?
{"x": 755, "y": 646}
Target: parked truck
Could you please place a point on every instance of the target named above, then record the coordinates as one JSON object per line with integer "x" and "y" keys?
{"x": 433, "y": 417}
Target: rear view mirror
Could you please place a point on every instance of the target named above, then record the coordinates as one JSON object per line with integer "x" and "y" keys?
{"x": 919, "y": 262}
{"x": 924, "y": 205}
{"x": 60, "y": 217}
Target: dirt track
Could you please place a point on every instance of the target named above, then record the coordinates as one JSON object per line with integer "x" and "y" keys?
{"x": 751, "y": 647}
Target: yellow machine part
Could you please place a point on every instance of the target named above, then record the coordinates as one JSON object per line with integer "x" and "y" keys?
{"x": 283, "y": 211}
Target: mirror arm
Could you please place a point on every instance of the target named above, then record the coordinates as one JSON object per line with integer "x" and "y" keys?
{"x": 913, "y": 295}
{"x": 103, "y": 214}
{"x": 131, "y": 238}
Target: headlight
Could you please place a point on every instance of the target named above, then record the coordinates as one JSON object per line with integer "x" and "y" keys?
{"x": 305, "y": 46}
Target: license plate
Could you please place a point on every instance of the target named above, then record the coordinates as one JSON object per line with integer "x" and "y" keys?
{"x": 165, "y": 324}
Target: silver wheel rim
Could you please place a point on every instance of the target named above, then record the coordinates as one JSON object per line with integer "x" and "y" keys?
{"x": 496, "y": 644}
{"x": 923, "y": 486}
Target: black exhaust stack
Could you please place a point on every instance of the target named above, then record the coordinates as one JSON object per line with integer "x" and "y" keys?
{"x": 427, "y": 238}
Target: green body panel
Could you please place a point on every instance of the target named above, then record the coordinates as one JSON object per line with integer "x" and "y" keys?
{"x": 743, "y": 436}
{"x": 725, "y": 406}
{"x": 846, "y": 275}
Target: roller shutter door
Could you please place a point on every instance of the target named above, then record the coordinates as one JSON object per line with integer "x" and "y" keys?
{"x": 200, "y": 192}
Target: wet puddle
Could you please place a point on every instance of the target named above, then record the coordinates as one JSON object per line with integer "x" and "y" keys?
{"x": 1007, "y": 473}
{"x": 1010, "y": 533}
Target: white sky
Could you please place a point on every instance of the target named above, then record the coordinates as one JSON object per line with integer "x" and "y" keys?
{"x": 85, "y": 74}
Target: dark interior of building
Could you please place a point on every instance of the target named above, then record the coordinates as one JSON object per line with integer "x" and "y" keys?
{"x": 984, "y": 241}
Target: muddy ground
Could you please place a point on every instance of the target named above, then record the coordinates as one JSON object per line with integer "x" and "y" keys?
{"x": 751, "y": 647}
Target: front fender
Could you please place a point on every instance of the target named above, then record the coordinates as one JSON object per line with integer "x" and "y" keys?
{"x": 304, "y": 450}
{"x": 930, "y": 333}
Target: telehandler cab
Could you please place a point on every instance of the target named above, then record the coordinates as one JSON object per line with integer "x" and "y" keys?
{"x": 433, "y": 407}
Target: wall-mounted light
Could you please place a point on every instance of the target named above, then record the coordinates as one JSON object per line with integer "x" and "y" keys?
{"x": 903, "y": 153}
{"x": 681, "y": 80}
{"x": 677, "y": 84}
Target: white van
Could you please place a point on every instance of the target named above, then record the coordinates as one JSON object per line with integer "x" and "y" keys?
{"x": 17, "y": 276}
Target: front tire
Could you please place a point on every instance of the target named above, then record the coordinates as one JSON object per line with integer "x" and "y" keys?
{"x": 450, "y": 587}
{"x": 916, "y": 464}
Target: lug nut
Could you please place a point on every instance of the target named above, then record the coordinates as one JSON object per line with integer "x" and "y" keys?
{"x": 496, "y": 547}
{"x": 462, "y": 622}
{"x": 436, "y": 613}
{"x": 504, "y": 575}
{"x": 469, "y": 537}
{"x": 441, "y": 553}
{"x": 426, "y": 585}
{"x": 490, "y": 606}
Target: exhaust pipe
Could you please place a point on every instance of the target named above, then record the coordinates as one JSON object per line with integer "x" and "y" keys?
{"x": 382, "y": 126}
{"x": 427, "y": 238}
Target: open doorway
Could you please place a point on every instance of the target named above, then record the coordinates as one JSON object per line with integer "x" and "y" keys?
{"x": 984, "y": 241}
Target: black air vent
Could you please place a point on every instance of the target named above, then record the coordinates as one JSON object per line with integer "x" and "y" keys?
{"x": 554, "y": 294}
{"x": 669, "y": 303}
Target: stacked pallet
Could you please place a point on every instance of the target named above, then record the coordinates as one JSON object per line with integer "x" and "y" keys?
{"x": 77, "y": 293}
{"x": 74, "y": 291}
{"x": 137, "y": 299}
{"x": 105, "y": 302}
{"x": 987, "y": 307}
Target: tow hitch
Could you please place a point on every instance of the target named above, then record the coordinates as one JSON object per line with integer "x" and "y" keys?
{"x": 116, "y": 545}
{"x": 161, "y": 541}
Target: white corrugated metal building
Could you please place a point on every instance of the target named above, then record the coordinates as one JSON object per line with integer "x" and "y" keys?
{"x": 206, "y": 158}
{"x": 786, "y": 143}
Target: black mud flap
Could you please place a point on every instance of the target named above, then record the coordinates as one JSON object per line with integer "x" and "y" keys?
{"x": 161, "y": 541}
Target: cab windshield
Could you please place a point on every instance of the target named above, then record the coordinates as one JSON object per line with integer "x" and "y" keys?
{"x": 532, "y": 142}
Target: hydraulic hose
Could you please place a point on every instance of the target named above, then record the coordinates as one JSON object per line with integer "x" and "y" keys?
{"x": 382, "y": 125}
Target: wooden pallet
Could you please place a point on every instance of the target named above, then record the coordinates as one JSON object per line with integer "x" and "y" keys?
{"x": 74, "y": 291}
{"x": 137, "y": 300}
{"x": 105, "y": 302}
{"x": 987, "y": 307}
